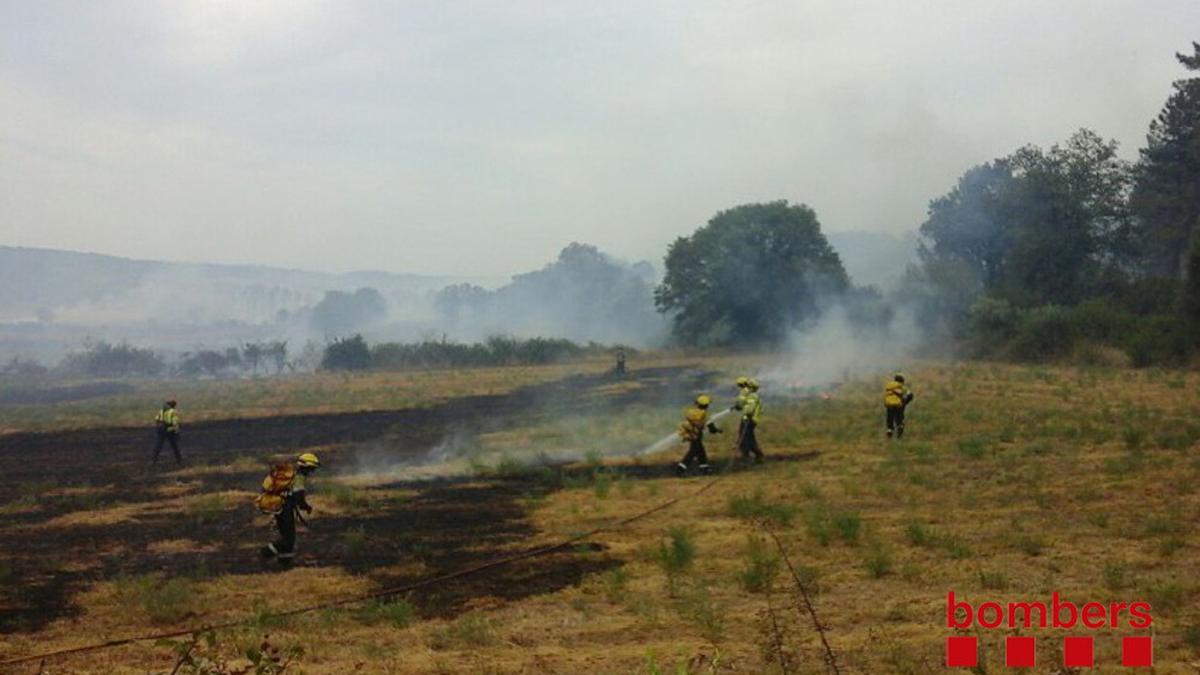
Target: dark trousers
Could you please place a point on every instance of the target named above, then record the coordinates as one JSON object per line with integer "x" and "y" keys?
{"x": 748, "y": 441}
{"x": 167, "y": 436}
{"x": 285, "y": 522}
{"x": 895, "y": 420}
{"x": 696, "y": 453}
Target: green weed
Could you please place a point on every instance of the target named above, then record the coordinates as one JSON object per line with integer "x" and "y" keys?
{"x": 878, "y": 560}
{"x": 675, "y": 556}
{"x": 160, "y": 600}
{"x": 756, "y": 507}
{"x": 470, "y": 630}
{"x": 760, "y": 567}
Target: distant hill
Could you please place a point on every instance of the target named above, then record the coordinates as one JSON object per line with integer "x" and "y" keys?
{"x": 874, "y": 258}
{"x": 89, "y": 288}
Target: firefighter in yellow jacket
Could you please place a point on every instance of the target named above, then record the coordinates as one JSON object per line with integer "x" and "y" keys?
{"x": 294, "y": 499}
{"x": 751, "y": 408}
{"x": 166, "y": 426}
{"x": 896, "y": 397}
{"x": 691, "y": 429}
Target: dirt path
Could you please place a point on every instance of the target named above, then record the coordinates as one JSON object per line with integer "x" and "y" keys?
{"x": 448, "y": 525}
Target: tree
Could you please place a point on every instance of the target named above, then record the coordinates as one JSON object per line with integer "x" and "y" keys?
{"x": 350, "y": 353}
{"x": 1167, "y": 197}
{"x": 339, "y": 312}
{"x": 749, "y": 275}
{"x": 252, "y": 353}
{"x": 1039, "y": 226}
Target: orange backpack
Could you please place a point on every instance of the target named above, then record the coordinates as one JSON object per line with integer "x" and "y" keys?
{"x": 275, "y": 488}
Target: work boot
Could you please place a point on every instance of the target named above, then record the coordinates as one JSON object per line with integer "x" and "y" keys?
{"x": 889, "y": 433}
{"x": 704, "y": 469}
{"x": 267, "y": 551}
{"x": 681, "y": 469}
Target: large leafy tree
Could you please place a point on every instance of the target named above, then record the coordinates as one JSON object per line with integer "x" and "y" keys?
{"x": 749, "y": 275}
{"x": 1039, "y": 226}
{"x": 1167, "y": 198}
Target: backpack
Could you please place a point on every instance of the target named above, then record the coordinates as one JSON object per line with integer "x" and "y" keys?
{"x": 275, "y": 488}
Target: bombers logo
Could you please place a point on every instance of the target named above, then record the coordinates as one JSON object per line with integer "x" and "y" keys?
{"x": 1021, "y": 651}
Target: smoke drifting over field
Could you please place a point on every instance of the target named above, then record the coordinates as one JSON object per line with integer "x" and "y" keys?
{"x": 836, "y": 349}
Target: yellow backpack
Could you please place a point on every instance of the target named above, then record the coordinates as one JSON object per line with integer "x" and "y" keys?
{"x": 893, "y": 394}
{"x": 275, "y": 488}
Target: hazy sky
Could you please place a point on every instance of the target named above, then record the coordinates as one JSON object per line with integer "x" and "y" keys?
{"x": 480, "y": 138}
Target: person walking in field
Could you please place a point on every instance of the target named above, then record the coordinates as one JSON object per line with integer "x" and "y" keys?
{"x": 620, "y": 367}
{"x": 285, "y": 491}
{"x": 166, "y": 425}
{"x": 691, "y": 430}
{"x": 751, "y": 407}
{"x": 896, "y": 397}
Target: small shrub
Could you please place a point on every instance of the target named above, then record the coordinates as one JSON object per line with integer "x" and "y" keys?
{"x": 848, "y": 524}
{"x": 993, "y": 580}
{"x": 761, "y": 566}
{"x": 1133, "y": 437}
{"x": 1170, "y": 545}
{"x": 1115, "y": 577}
{"x": 1030, "y": 545}
{"x": 700, "y": 608}
{"x": 816, "y": 520}
{"x": 397, "y": 612}
{"x": 878, "y": 561}
{"x": 616, "y": 584}
{"x": 956, "y": 547}
{"x": 1167, "y": 597}
{"x": 1191, "y": 635}
{"x": 602, "y": 484}
{"x": 355, "y": 541}
{"x": 972, "y": 447}
{"x": 756, "y": 507}
{"x": 918, "y": 535}
{"x": 676, "y": 555}
{"x": 160, "y": 600}
{"x": 206, "y": 509}
{"x": 346, "y": 496}
{"x": 470, "y": 630}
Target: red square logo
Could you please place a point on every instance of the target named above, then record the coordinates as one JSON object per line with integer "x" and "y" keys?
{"x": 962, "y": 652}
{"x": 1019, "y": 652}
{"x": 1137, "y": 652}
{"x": 1079, "y": 652}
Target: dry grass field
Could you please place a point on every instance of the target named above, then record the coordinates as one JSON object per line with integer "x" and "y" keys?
{"x": 1011, "y": 483}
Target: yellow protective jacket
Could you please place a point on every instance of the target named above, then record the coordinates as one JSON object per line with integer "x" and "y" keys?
{"x": 168, "y": 419}
{"x": 896, "y": 394}
{"x": 692, "y": 426}
{"x": 752, "y": 407}
{"x": 740, "y": 402}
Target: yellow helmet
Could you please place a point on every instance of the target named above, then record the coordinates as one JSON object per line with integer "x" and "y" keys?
{"x": 742, "y": 381}
{"x": 703, "y": 400}
{"x": 753, "y": 384}
{"x": 308, "y": 460}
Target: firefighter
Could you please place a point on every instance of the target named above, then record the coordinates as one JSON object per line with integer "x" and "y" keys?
{"x": 295, "y": 499}
{"x": 741, "y": 383}
{"x": 691, "y": 429}
{"x": 166, "y": 425}
{"x": 751, "y": 409}
{"x": 896, "y": 397}
{"x": 620, "y": 369}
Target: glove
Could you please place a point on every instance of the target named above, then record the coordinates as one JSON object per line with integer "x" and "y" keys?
{"x": 307, "y": 509}
{"x": 713, "y": 428}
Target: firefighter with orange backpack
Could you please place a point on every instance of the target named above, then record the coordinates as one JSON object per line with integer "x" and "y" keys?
{"x": 691, "y": 430}
{"x": 284, "y": 492}
{"x": 896, "y": 397}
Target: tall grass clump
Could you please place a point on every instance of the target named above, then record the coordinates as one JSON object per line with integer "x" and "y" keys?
{"x": 675, "y": 556}
{"x": 161, "y": 600}
{"x": 760, "y": 567}
{"x": 756, "y": 507}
